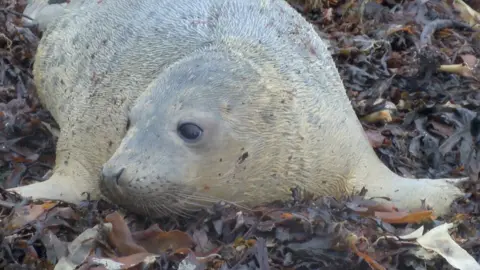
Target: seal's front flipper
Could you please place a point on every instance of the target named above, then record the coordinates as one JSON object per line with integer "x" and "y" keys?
{"x": 57, "y": 187}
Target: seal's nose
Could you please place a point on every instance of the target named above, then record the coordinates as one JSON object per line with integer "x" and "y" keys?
{"x": 112, "y": 175}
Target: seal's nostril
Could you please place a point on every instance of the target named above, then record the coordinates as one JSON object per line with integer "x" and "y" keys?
{"x": 111, "y": 175}
{"x": 118, "y": 175}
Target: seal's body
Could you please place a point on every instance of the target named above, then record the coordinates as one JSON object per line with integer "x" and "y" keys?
{"x": 181, "y": 103}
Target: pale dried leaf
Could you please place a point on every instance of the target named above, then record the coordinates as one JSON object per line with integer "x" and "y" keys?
{"x": 439, "y": 240}
{"x": 469, "y": 15}
{"x": 413, "y": 235}
{"x": 80, "y": 248}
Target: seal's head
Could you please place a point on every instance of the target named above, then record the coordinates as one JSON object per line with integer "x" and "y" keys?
{"x": 205, "y": 130}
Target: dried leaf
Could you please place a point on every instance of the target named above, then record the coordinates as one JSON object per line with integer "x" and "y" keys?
{"x": 202, "y": 241}
{"x": 460, "y": 69}
{"x": 369, "y": 207}
{"x": 81, "y": 248}
{"x": 380, "y": 116}
{"x": 371, "y": 262}
{"x": 286, "y": 215}
{"x": 469, "y": 59}
{"x": 439, "y": 240}
{"x": 26, "y": 214}
{"x": 191, "y": 262}
{"x": 441, "y": 129}
{"x": 375, "y": 138}
{"x": 469, "y": 15}
{"x": 15, "y": 177}
{"x": 404, "y": 217}
{"x": 120, "y": 236}
{"x": 55, "y": 248}
{"x": 413, "y": 235}
{"x": 122, "y": 263}
{"x": 163, "y": 241}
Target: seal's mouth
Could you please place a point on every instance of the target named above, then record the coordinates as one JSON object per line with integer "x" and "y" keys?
{"x": 127, "y": 200}
{"x": 108, "y": 191}
{"x": 107, "y": 187}
{"x": 175, "y": 201}
{"x": 115, "y": 194}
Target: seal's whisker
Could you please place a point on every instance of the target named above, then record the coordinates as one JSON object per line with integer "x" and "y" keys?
{"x": 159, "y": 208}
{"x": 179, "y": 210}
{"x": 201, "y": 198}
{"x": 144, "y": 204}
{"x": 194, "y": 203}
{"x": 198, "y": 199}
{"x": 144, "y": 208}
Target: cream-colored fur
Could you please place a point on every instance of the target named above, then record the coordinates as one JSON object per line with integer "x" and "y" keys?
{"x": 253, "y": 74}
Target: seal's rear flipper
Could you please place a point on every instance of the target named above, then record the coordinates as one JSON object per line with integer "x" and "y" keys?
{"x": 408, "y": 193}
{"x": 43, "y": 12}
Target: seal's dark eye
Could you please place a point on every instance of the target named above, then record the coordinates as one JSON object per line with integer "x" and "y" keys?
{"x": 189, "y": 131}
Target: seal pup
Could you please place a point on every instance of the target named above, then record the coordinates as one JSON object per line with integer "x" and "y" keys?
{"x": 166, "y": 106}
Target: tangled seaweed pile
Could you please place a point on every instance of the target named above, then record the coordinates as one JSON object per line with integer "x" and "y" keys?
{"x": 410, "y": 70}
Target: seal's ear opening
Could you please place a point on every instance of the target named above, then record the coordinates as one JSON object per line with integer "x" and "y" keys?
{"x": 128, "y": 124}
